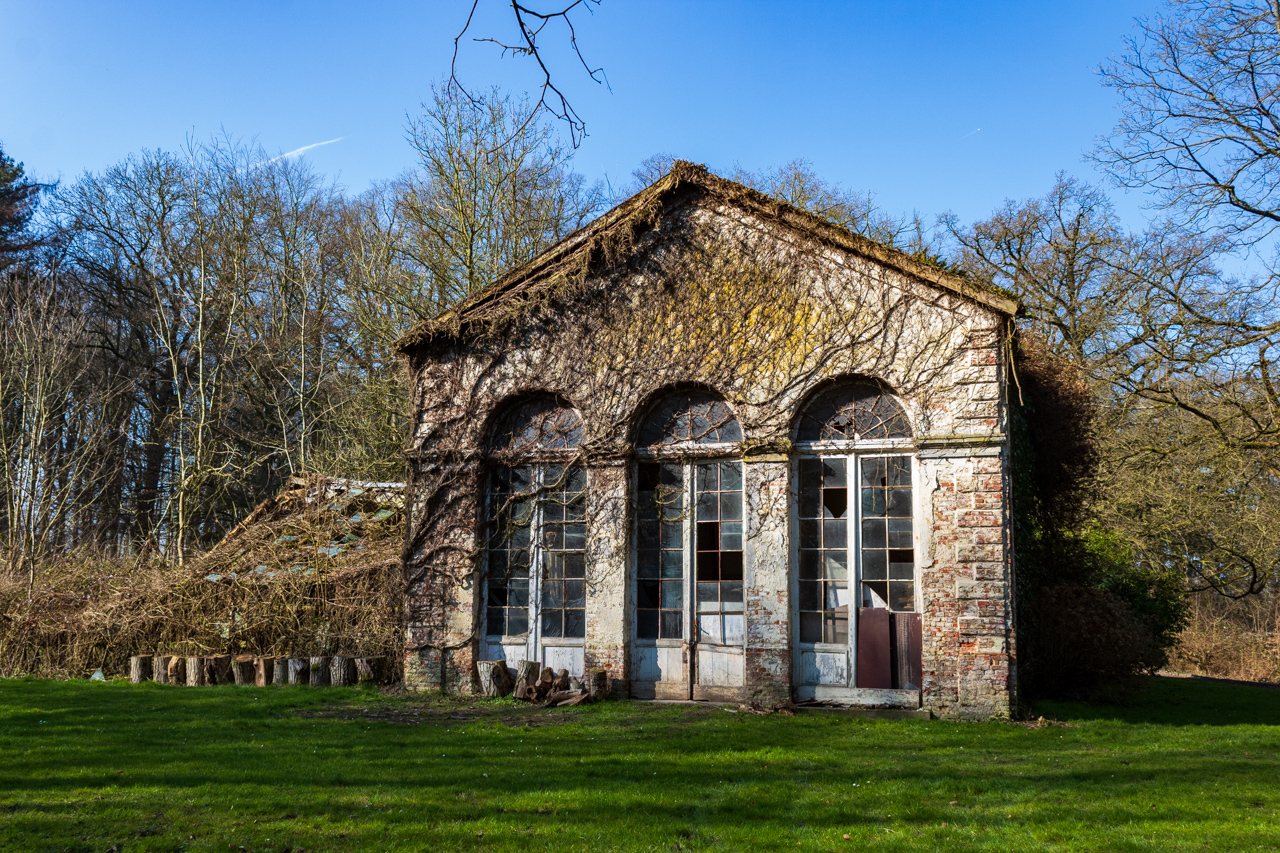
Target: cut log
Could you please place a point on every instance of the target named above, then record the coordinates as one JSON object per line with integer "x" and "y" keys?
{"x": 139, "y": 668}
{"x": 342, "y": 671}
{"x": 160, "y": 669}
{"x": 370, "y": 671}
{"x": 528, "y": 670}
{"x": 219, "y": 670}
{"x": 263, "y": 671}
{"x": 299, "y": 670}
{"x": 563, "y": 697}
{"x": 598, "y": 684}
{"x": 195, "y": 671}
{"x": 320, "y": 671}
{"x": 281, "y": 675}
{"x": 177, "y": 670}
{"x": 484, "y": 677}
{"x": 243, "y": 670}
{"x": 561, "y": 683}
{"x": 575, "y": 683}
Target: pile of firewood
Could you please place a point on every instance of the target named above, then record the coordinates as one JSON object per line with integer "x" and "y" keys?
{"x": 541, "y": 687}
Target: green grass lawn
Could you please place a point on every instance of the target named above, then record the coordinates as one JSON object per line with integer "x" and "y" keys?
{"x": 97, "y": 767}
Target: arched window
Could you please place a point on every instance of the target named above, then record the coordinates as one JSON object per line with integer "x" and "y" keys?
{"x": 855, "y": 520}
{"x": 535, "y": 577}
{"x": 689, "y": 620}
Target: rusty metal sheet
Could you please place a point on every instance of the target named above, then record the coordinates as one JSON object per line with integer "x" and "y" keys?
{"x": 874, "y": 663}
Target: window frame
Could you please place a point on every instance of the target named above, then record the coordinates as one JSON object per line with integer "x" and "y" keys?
{"x": 688, "y": 455}
{"x": 538, "y": 466}
{"x": 852, "y": 453}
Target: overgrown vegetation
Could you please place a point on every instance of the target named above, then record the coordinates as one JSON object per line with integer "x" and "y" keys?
{"x": 90, "y": 766}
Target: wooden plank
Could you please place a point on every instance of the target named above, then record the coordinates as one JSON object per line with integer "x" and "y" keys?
{"x": 874, "y": 669}
{"x": 908, "y": 633}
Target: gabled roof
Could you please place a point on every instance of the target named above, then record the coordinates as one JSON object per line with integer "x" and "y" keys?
{"x": 575, "y": 252}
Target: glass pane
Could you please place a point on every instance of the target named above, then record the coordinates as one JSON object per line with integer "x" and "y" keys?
{"x": 836, "y": 565}
{"x": 552, "y": 594}
{"x": 706, "y": 476}
{"x": 899, "y": 502}
{"x": 902, "y": 596}
{"x": 575, "y": 623}
{"x": 647, "y": 477}
{"x": 647, "y": 563}
{"x": 810, "y": 595}
{"x": 873, "y": 533}
{"x": 873, "y": 473}
{"x": 673, "y": 564}
{"x": 810, "y": 500}
{"x": 730, "y": 476}
{"x": 552, "y": 623}
{"x": 899, "y": 470}
{"x": 647, "y": 624}
{"x": 575, "y": 565}
{"x": 837, "y": 628}
{"x": 575, "y": 536}
{"x": 811, "y": 627}
{"x": 875, "y": 594}
{"x": 672, "y": 534}
{"x": 672, "y": 625}
{"x": 734, "y": 635}
{"x": 552, "y": 511}
{"x": 647, "y": 534}
{"x": 517, "y": 622}
{"x": 731, "y": 506}
{"x": 900, "y": 533}
{"x": 901, "y": 564}
{"x": 731, "y": 594}
{"x": 810, "y": 565}
{"x": 672, "y": 595}
{"x": 708, "y": 593}
{"x": 874, "y": 565}
{"x": 575, "y": 594}
{"x": 810, "y": 534}
{"x": 707, "y": 507}
{"x": 833, "y": 472}
{"x": 495, "y": 621}
{"x": 731, "y": 536}
{"x": 873, "y": 503}
{"x": 833, "y": 533}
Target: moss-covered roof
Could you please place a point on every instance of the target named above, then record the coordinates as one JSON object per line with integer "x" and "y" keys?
{"x": 601, "y": 244}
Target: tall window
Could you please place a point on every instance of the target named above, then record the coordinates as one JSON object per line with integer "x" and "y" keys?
{"x": 854, "y": 509}
{"x": 536, "y": 574}
{"x": 689, "y": 564}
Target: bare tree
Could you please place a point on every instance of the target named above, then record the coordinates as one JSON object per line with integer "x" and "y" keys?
{"x": 1199, "y": 118}
{"x": 530, "y": 25}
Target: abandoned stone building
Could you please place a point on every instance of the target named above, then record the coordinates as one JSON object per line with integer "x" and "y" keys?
{"x": 724, "y": 450}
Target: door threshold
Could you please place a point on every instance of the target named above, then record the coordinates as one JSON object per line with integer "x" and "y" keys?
{"x": 859, "y": 697}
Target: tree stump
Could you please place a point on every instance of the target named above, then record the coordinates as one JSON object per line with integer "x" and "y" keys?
{"x": 160, "y": 668}
{"x": 243, "y": 670}
{"x": 526, "y": 675}
{"x": 598, "y": 684}
{"x": 495, "y": 678}
{"x": 177, "y": 670}
{"x": 139, "y": 669}
{"x": 320, "y": 671}
{"x": 299, "y": 670}
{"x": 561, "y": 683}
{"x": 370, "y": 671}
{"x": 219, "y": 669}
{"x": 263, "y": 671}
{"x": 195, "y": 671}
{"x": 281, "y": 675}
{"x": 342, "y": 671}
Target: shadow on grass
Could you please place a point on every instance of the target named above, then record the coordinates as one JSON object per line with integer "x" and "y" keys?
{"x": 1161, "y": 700}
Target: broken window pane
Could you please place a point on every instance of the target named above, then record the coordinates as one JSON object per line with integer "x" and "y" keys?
{"x": 823, "y": 540}
{"x": 689, "y": 417}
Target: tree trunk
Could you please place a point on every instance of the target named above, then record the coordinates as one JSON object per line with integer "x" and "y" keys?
{"x": 160, "y": 668}
{"x": 299, "y": 671}
{"x": 342, "y": 671}
{"x": 370, "y": 671}
{"x": 598, "y": 684}
{"x": 177, "y": 670}
{"x": 263, "y": 671}
{"x": 280, "y": 677}
{"x": 195, "y": 671}
{"x": 219, "y": 669}
{"x": 243, "y": 670}
{"x": 319, "y": 672}
{"x": 139, "y": 669}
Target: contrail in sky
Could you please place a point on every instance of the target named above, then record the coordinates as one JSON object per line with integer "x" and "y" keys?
{"x": 299, "y": 151}
{"x": 966, "y": 136}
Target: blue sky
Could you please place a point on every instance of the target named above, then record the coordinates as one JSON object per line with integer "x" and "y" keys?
{"x": 931, "y": 106}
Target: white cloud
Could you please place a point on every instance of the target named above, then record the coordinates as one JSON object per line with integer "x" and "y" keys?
{"x": 298, "y": 152}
